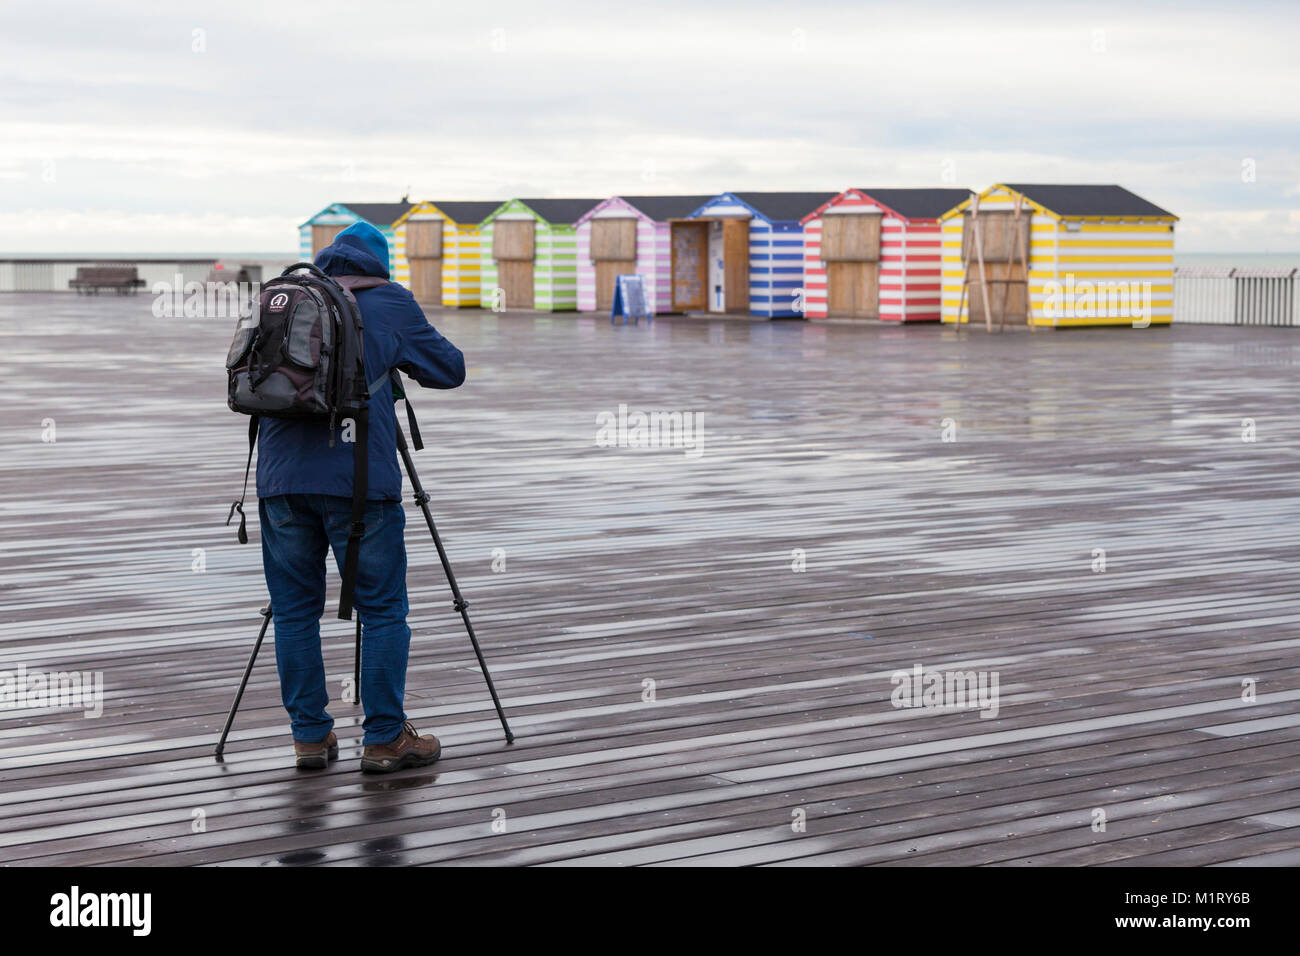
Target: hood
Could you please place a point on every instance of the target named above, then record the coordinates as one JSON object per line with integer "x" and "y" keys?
{"x": 359, "y": 250}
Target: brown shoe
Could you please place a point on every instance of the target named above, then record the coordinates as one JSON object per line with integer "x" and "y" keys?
{"x": 408, "y": 750}
{"x": 316, "y": 756}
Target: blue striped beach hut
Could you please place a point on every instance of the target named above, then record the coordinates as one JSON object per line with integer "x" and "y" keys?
{"x": 319, "y": 231}
{"x": 743, "y": 253}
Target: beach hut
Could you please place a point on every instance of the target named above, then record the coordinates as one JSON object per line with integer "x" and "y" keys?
{"x": 1058, "y": 255}
{"x": 743, "y": 253}
{"x": 874, "y": 254}
{"x": 437, "y": 251}
{"x": 319, "y": 231}
{"x": 529, "y": 254}
{"x": 629, "y": 234}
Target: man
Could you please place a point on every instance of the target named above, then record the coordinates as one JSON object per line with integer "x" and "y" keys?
{"x": 304, "y": 489}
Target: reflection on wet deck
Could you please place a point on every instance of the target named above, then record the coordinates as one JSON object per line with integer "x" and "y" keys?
{"x": 681, "y": 695}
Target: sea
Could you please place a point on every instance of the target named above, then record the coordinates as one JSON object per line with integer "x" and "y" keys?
{"x": 1240, "y": 260}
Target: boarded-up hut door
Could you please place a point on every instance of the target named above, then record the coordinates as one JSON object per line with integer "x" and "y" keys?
{"x": 851, "y": 251}
{"x": 613, "y": 252}
{"x": 690, "y": 243}
{"x": 512, "y": 248}
{"x": 1004, "y": 242}
{"x": 424, "y": 255}
{"x": 735, "y": 254}
{"x": 322, "y": 236}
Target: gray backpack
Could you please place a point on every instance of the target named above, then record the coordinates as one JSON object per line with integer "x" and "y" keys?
{"x": 300, "y": 355}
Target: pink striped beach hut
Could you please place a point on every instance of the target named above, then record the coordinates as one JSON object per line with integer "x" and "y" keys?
{"x": 629, "y": 234}
{"x": 875, "y": 254}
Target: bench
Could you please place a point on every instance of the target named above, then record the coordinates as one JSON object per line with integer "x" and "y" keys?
{"x": 90, "y": 280}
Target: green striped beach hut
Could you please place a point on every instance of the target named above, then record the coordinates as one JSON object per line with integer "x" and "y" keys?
{"x": 530, "y": 254}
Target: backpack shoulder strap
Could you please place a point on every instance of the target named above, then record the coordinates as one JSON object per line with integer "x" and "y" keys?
{"x": 253, "y": 421}
{"x": 361, "y": 449}
{"x": 357, "y": 283}
{"x": 357, "y": 529}
{"x": 399, "y": 392}
{"x": 416, "y": 441}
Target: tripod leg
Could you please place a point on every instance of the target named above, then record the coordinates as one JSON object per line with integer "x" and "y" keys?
{"x": 356, "y": 667}
{"x": 422, "y": 499}
{"x": 248, "y": 671}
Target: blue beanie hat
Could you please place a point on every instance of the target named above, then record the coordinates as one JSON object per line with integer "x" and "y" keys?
{"x": 374, "y": 239}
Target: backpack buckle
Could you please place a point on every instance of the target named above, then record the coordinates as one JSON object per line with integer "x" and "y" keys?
{"x": 358, "y": 529}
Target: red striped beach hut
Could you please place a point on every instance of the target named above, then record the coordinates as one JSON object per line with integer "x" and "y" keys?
{"x": 876, "y": 254}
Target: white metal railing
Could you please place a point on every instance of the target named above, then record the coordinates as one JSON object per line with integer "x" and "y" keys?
{"x": 1231, "y": 296}
{"x": 53, "y": 275}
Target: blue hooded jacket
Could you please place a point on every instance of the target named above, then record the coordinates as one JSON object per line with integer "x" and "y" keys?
{"x": 294, "y": 457}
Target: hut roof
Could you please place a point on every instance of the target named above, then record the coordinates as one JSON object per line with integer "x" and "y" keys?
{"x": 378, "y": 213}
{"x": 1089, "y": 200}
{"x": 784, "y": 207}
{"x": 468, "y": 211}
{"x": 663, "y": 208}
{"x": 917, "y": 203}
{"x": 560, "y": 211}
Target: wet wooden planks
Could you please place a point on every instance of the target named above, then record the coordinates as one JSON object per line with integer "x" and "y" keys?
{"x": 626, "y": 571}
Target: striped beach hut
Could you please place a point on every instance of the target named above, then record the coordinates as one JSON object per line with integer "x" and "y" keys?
{"x": 743, "y": 252}
{"x": 319, "y": 231}
{"x": 1058, "y": 255}
{"x": 529, "y": 254}
{"x": 874, "y": 254}
{"x": 629, "y": 234}
{"x": 438, "y": 251}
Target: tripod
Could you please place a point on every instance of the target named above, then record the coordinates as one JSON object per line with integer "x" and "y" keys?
{"x": 458, "y": 602}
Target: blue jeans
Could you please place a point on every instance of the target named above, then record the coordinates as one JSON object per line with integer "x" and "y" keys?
{"x": 297, "y": 532}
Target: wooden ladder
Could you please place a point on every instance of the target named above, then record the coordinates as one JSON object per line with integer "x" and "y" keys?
{"x": 977, "y": 243}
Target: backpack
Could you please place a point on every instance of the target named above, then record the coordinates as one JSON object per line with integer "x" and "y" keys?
{"x": 301, "y": 356}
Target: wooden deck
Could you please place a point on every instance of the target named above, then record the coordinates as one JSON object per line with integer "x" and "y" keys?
{"x": 1119, "y": 691}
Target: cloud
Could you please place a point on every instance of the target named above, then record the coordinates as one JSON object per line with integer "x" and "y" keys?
{"x": 180, "y": 112}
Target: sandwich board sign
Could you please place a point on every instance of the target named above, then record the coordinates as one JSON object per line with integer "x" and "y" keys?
{"x": 629, "y": 300}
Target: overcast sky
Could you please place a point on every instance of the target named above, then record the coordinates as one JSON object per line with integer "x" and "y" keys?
{"x": 171, "y": 126}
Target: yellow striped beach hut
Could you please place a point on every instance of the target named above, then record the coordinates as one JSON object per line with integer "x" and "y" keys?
{"x": 1058, "y": 255}
{"x": 437, "y": 252}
